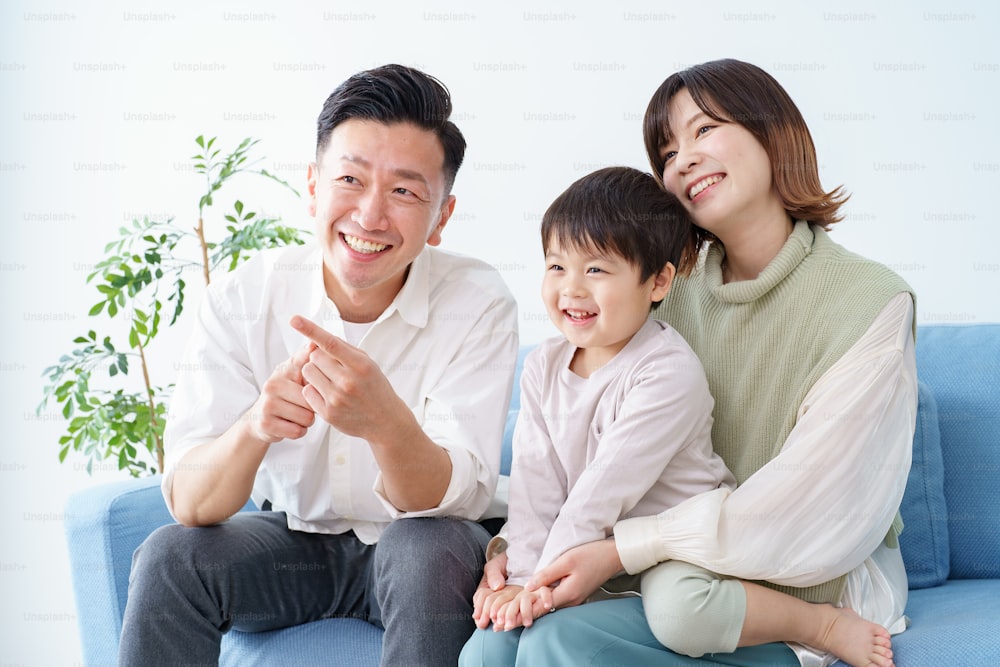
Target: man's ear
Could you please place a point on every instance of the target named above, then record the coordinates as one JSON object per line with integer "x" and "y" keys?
{"x": 447, "y": 208}
{"x": 662, "y": 282}
{"x": 312, "y": 173}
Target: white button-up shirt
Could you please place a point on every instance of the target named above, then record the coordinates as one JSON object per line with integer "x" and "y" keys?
{"x": 447, "y": 343}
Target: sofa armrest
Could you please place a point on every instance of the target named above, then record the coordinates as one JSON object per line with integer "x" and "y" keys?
{"x": 104, "y": 526}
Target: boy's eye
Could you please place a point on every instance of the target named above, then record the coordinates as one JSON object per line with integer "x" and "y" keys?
{"x": 668, "y": 155}
{"x": 594, "y": 269}
{"x": 555, "y": 267}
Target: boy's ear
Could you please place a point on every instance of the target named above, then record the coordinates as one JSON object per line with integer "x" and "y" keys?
{"x": 662, "y": 282}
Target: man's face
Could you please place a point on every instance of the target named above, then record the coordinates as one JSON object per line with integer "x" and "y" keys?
{"x": 377, "y": 194}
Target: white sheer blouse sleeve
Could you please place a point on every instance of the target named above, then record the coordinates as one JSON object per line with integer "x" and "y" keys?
{"x": 824, "y": 504}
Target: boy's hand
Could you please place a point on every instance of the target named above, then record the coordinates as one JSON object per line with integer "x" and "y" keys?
{"x": 491, "y": 605}
{"x": 524, "y": 609}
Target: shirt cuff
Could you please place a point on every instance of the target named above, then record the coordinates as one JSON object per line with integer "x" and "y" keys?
{"x": 498, "y": 544}
{"x": 636, "y": 540}
{"x": 463, "y": 478}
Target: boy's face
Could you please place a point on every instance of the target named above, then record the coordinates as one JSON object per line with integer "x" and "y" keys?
{"x": 378, "y": 195}
{"x": 597, "y": 301}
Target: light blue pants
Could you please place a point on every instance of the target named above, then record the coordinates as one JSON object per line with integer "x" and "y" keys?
{"x": 601, "y": 634}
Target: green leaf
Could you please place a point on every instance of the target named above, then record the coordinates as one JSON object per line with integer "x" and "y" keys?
{"x": 200, "y": 140}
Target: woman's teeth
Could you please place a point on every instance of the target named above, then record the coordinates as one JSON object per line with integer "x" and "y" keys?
{"x": 696, "y": 189}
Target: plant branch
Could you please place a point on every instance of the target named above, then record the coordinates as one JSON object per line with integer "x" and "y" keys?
{"x": 205, "y": 266}
{"x": 152, "y": 408}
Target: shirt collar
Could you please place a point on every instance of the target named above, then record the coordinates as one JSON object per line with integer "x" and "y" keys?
{"x": 412, "y": 302}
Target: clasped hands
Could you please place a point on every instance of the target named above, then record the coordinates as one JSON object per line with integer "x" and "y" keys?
{"x": 326, "y": 377}
{"x": 567, "y": 582}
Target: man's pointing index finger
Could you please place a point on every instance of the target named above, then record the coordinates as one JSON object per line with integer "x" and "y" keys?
{"x": 325, "y": 340}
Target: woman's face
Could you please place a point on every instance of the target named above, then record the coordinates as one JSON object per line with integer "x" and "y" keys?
{"x": 718, "y": 170}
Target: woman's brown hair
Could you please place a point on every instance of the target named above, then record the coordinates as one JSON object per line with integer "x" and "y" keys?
{"x": 738, "y": 92}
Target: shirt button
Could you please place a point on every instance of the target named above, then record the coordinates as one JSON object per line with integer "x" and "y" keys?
{"x": 340, "y": 460}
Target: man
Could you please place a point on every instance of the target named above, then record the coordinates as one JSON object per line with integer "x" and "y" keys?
{"x": 357, "y": 386}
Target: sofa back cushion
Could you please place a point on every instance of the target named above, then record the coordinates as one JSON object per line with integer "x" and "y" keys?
{"x": 924, "y": 541}
{"x": 961, "y": 364}
{"x": 515, "y": 405}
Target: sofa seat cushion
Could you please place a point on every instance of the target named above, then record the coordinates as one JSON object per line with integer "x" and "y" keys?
{"x": 335, "y": 642}
{"x": 954, "y": 624}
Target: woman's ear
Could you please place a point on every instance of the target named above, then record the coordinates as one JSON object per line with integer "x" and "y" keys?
{"x": 662, "y": 282}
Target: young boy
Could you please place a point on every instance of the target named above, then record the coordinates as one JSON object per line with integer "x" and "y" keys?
{"x": 589, "y": 448}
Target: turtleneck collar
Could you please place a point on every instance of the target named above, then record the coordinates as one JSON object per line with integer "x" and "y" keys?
{"x": 796, "y": 248}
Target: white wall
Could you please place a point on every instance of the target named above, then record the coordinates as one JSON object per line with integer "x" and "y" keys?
{"x": 101, "y": 105}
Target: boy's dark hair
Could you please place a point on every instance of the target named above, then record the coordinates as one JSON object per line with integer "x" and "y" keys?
{"x": 623, "y": 211}
{"x": 395, "y": 94}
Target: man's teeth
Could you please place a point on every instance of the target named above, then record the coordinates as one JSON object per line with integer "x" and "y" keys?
{"x": 701, "y": 185}
{"x": 360, "y": 245}
{"x": 579, "y": 314}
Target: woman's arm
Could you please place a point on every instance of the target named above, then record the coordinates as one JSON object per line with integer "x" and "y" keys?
{"x": 852, "y": 444}
{"x": 820, "y": 507}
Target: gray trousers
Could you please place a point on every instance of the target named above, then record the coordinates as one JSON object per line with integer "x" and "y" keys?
{"x": 188, "y": 586}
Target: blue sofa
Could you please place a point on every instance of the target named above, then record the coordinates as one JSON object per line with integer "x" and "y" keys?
{"x": 951, "y": 543}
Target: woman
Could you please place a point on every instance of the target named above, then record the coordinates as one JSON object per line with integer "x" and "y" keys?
{"x": 809, "y": 353}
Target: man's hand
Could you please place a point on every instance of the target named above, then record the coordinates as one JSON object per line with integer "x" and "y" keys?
{"x": 579, "y": 572}
{"x": 345, "y": 387}
{"x": 494, "y": 579}
{"x": 281, "y": 411}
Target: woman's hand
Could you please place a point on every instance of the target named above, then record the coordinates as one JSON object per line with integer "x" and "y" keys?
{"x": 579, "y": 572}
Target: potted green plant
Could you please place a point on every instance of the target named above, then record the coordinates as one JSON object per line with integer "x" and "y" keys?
{"x": 141, "y": 280}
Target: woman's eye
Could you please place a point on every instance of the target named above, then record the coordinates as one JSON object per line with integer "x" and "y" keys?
{"x": 703, "y": 129}
{"x": 669, "y": 155}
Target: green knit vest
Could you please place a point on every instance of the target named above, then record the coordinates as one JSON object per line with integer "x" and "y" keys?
{"x": 765, "y": 342}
